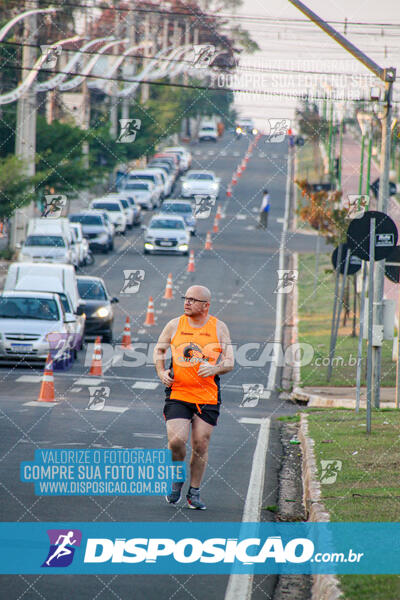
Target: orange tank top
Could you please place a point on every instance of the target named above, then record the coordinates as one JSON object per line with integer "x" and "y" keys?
{"x": 191, "y": 346}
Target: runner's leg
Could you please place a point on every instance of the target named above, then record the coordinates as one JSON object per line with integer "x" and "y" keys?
{"x": 201, "y": 433}
{"x": 178, "y": 435}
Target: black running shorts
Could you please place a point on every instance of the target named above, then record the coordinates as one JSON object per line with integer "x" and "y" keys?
{"x": 177, "y": 409}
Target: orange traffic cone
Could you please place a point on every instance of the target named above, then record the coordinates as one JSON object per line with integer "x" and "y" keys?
{"x": 219, "y": 212}
{"x": 229, "y": 191}
{"x": 1, "y": 229}
{"x": 150, "y": 313}
{"x": 168, "y": 288}
{"x": 126, "y": 337}
{"x": 239, "y": 172}
{"x": 215, "y": 226}
{"x": 96, "y": 367}
{"x": 208, "y": 244}
{"x": 46, "y": 393}
{"x": 190, "y": 267}
{"x": 243, "y": 166}
{"x": 234, "y": 179}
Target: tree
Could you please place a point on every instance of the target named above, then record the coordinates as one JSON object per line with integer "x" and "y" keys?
{"x": 15, "y": 187}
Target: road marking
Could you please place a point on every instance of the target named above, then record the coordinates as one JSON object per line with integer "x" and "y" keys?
{"x": 250, "y": 227}
{"x": 255, "y": 209}
{"x": 280, "y": 220}
{"x": 240, "y": 586}
{"x": 236, "y": 154}
{"x": 163, "y": 304}
{"x": 41, "y": 403}
{"x": 158, "y": 311}
{"x": 145, "y": 385}
{"x": 113, "y": 409}
{"x": 141, "y": 331}
{"x": 241, "y": 217}
{"x": 103, "y": 262}
{"x": 87, "y": 381}
{"x": 75, "y": 390}
{"x": 29, "y": 379}
{"x": 223, "y": 153}
{"x": 157, "y": 436}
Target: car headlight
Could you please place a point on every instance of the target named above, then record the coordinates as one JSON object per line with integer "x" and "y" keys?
{"x": 103, "y": 312}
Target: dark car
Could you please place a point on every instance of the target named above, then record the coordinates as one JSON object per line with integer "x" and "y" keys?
{"x": 97, "y": 306}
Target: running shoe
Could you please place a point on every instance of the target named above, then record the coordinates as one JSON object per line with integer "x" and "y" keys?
{"x": 193, "y": 499}
{"x": 175, "y": 495}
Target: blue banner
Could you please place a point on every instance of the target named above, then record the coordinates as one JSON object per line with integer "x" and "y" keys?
{"x": 199, "y": 548}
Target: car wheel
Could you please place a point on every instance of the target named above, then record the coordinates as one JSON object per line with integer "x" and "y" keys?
{"x": 146, "y": 252}
{"x": 105, "y": 249}
{"x": 185, "y": 253}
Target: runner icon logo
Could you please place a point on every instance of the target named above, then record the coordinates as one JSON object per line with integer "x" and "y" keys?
{"x": 204, "y": 205}
{"x": 203, "y": 55}
{"x": 129, "y": 129}
{"x": 330, "y": 470}
{"x": 53, "y": 206}
{"x": 251, "y": 394}
{"x": 52, "y": 53}
{"x": 277, "y": 130}
{"x": 63, "y": 543}
{"x": 98, "y": 396}
{"x": 133, "y": 279}
{"x": 286, "y": 280}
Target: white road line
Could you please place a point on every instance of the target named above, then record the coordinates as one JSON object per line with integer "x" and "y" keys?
{"x": 280, "y": 220}
{"x": 157, "y": 436}
{"x": 40, "y": 404}
{"x": 112, "y": 409}
{"x": 75, "y": 390}
{"x": 88, "y": 381}
{"x": 241, "y": 217}
{"x": 240, "y": 586}
{"x": 145, "y": 385}
{"x": 29, "y": 379}
{"x": 103, "y": 262}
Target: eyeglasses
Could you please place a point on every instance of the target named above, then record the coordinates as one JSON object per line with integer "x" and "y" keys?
{"x": 191, "y": 300}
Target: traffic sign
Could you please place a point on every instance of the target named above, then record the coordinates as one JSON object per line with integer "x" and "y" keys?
{"x": 375, "y": 188}
{"x": 385, "y": 235}
{"x": 392, "y": 265}
{"x": 355, "y": 262}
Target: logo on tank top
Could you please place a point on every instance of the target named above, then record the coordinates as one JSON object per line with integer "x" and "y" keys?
{"x": 192, "y": 353}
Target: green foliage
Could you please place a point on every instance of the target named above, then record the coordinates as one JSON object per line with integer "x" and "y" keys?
{"x": 14, "y": 186}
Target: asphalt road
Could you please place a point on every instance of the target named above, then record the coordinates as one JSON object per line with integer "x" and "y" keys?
{"x": 241, "y": 272}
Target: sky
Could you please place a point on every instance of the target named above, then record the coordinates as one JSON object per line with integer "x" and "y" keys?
{"x": 294, "y": 44}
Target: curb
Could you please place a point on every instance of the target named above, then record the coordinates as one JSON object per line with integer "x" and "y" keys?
{"x": 291, "y": 373}
{"x": 324, "y": 587}
{"x": 317, "y": 401}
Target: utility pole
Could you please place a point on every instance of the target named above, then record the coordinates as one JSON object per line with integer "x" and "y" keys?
{"x": 85, "y": 106}
{"x": 388, "y": 76}
{"x": 25, "y": 134}
{"x": 145, "y": 90}
{"x": 187, "y": 41}
{"x": 129, "y": 63}
{"x": 114, "y": 97}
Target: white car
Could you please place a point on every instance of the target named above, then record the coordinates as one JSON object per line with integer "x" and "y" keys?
{"x": 80, "y": 243}
{"x": 148, "y": 175}
{"x": 186, "y": 157}
{"x": 168, "y": 180}
{"x": 115, "y": 211}
{"x": 181, "y": 208}
{"x": 125, "y": 205}
{"x": 200, "y": 183}
{"x": 144, "y": 193}
{"x": 52, "y": 248}
{"x": 166, "y": 234}
{"x": 26, "y": 319}
{"x": 208, "y": 132}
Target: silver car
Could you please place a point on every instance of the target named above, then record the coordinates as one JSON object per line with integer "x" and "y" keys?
{"x": 200, "y": 183}
{"x": 180, "y": 208}
{"x": 166, "y": 234}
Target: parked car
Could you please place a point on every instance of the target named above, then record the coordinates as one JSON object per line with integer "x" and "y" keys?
{"x": 95, "y": 229}
{"x": 80, "y": 243}
{"x": 148, "y": 175}
{"x": 97, "y": 306}
{"x": 26, "y": 321}
{"x": 126, "y": 206}
{"x": 200, "y": 183}
{"x": 166, "y": 234}
{"x": 181, "y": 208}
{"x": 186, "y": 156}
{"x": 115, "y": 211}
{"x": 57, "y": 227}
{"x": 144, "y": 193}
{"x": 46, "y": 248}
{"x": 167, "y": 180}
{"x": 136, "y": 208}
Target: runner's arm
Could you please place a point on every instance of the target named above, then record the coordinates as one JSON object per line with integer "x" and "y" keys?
{"x": 227, "y": 361}
{"x": 163, "y": 343}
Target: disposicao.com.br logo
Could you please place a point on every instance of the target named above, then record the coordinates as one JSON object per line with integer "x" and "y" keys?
{"x": 62, "y": 547}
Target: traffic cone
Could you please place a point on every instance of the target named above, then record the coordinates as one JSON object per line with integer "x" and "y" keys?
{"x": 1, "y": 229}
{"x": 96, "y": 368}
{"x": 215, "y": 226}
{"x": 190, "y": 267}
{"x": 239, "y": 172}
{"x": 229, "y": 191}
{"x": 243, "y": 166}
{"x": 150, "y": 313}
{"x": 46, "y": 393}
{"x": 208, "y": 244}
{"x": 168, "y": 288}
{"x": 219, "y": 212}
{"x": 234, "y": 179}
{"x": 126, "y": 336}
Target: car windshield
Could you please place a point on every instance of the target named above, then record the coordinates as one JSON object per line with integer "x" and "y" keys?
{"x": 54, "y": 241}
{"x": 208, "y": 128}
{"x": 148, "y": 177}
{"x": 77, "y": 233}
{"x": 200, "y": 176}
{"x": 91, "y": 290}
{"x": 65, "y": 302}
{"x": 176, "y": 208}
{"x": 86, "y": 219}
{"x": 29, "y": 308}
{"x": 111, "y": 206}
{"x": 125, "y": 203}
{"x": 161, "y": 165}
{"x": 137, "y": 186}
{"x": 166, "y": 224}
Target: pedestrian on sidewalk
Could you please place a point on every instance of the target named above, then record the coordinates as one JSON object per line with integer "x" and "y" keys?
{"x": 201, "y": 352}
{"x": 264, "y": 210}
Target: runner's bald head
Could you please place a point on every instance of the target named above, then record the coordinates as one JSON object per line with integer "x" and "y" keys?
{"x": 200, "y": 292}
